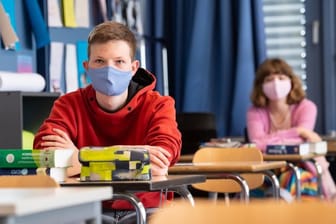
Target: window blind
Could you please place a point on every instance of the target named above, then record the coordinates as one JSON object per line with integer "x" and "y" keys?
{"x": 285, "y": 32}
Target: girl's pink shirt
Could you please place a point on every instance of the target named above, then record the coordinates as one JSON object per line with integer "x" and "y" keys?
{"x": 303, "y": 115}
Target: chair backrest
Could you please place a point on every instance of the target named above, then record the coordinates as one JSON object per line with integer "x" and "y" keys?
{"x": 196, "y": 128}
{"x": 209, "y": 154}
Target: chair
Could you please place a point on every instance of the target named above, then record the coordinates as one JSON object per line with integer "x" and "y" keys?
{"x": 196, "y": 128}
{"x": 208, "y": 154}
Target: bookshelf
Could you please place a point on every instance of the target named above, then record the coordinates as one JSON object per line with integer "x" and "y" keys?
{"x": 22, "y": 111}
{"x": 27, "y": 110}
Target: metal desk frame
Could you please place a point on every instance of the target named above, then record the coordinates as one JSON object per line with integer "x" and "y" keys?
{"x": 291, "y": 159}
{"x": 233, "y": 170}
{"x": 124, "y": 189}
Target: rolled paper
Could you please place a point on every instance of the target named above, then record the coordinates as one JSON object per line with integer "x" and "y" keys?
{"x": 29, "y": 82}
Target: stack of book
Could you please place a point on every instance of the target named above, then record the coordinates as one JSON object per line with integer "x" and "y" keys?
{"x": 300, "y": 149}
{"x": 31, "y": 162}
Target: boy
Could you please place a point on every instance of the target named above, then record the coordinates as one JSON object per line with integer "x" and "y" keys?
{"x": 119, "y": 108}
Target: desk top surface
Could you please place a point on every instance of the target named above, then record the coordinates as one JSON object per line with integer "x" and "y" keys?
{"x": 186, "y": 158}
{"x": 157, "y": 183}
{"x": 239, "y": 167}
{"x": 331, "y": 144}
{"x": 22, "y": 201}
{"x": 289, "y": 157}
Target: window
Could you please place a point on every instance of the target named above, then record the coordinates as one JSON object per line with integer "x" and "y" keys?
{"x": 285, "y": 32}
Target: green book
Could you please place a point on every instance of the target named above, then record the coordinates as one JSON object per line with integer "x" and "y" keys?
{"x": 22, "y": 158}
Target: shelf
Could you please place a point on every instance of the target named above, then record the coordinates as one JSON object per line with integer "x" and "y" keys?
{"x": 22, "y": 111}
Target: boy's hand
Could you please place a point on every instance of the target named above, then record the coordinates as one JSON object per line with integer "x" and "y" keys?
{"x": 159, "y": 160}
{"x": 58, "y": 141}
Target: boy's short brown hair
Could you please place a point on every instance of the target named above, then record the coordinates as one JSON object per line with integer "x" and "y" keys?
{"x": 276, "y": 66}
{"x": 111, "y": 30}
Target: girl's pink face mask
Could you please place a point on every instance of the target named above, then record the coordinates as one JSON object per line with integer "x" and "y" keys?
{"x": 277, "y": 88}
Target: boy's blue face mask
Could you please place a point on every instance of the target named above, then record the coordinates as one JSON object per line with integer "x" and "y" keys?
{"x": 109, "y": 81}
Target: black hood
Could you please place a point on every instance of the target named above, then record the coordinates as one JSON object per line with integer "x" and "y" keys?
{"x": 143, "y": 77}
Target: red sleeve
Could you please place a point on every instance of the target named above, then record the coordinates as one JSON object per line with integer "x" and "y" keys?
{"x": 163, "y": 130}
{"x": 60, "y": 117}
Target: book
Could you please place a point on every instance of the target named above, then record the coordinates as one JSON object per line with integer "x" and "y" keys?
{"x": 24, "y": 158}
{"x": 318, "y": 147}
{"x": 279, "y": 149}
{"x": 23, "y": 171}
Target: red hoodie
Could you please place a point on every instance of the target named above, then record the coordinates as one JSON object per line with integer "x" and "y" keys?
{"x": 147, "y": 119}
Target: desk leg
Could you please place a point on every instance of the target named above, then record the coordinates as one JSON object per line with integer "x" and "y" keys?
{"x": 319, "y": 177}
{"x": 297, "y": 174}
{"x": 245, "y": 193}
{"x": 275, "y": 183}
{"x": 184, "y": 192}
{"x": 139, "y": 208}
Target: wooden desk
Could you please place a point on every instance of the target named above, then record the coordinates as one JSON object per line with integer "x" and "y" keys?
{"x": 186, "y": 158}
{"x": 232, "y": 170}
{"x": 124, "y": 189}
{"x": 291, "y": 159}
{"x": 331, "y": 144}
{"x": 234, "y": 167}
{"x": 52, "y": 205}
